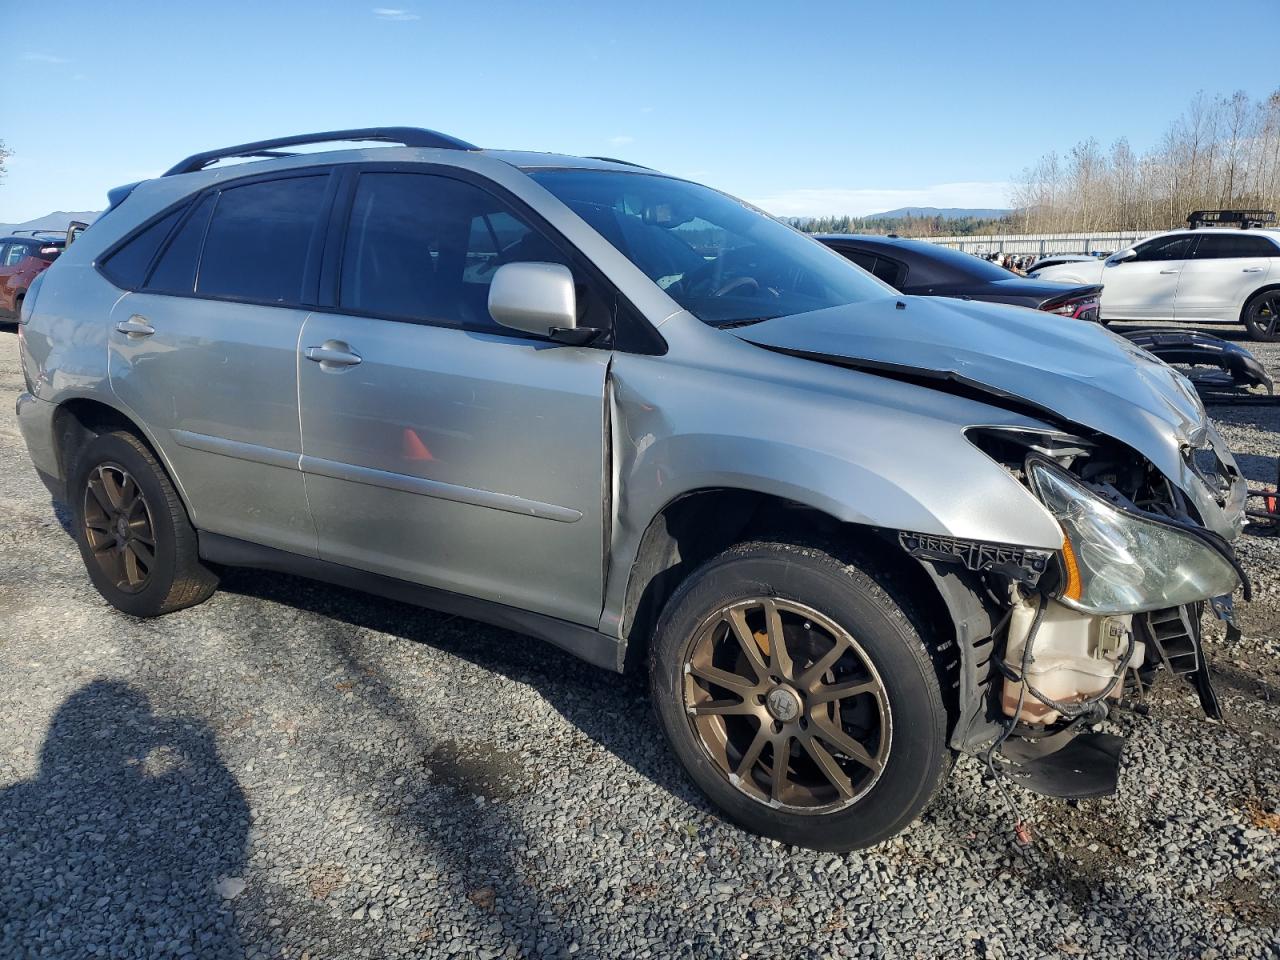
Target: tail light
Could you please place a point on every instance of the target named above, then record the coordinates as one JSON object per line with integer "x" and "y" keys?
{"x": 1081, "y": 308}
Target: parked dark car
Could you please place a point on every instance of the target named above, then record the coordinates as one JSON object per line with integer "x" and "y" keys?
{"x": 931, "y": 270}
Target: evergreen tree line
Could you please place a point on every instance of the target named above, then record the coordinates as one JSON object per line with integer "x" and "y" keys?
{"x": 935, "y": 226}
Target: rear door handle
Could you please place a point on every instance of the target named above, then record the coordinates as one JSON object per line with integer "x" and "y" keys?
{"x": 333, "y": 354}
{"x": 135, "y": 327}
{"x": 1175, "y": 270}
{"x": 1251, "y": 270}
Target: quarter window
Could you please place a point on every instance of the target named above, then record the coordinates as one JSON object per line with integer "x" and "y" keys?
{"x": 1222, "y": 246}
{"x": 175, "y": 271}
{"x": 128, "y": 266}
{"x": 261, "y": 238}
{"x": 424, "y": 247}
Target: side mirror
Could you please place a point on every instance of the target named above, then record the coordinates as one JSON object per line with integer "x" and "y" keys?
{"x": 534, "y": 298}
{"x": 1121, "y": 257}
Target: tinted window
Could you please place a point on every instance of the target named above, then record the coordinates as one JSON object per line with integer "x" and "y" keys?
{"x": 424, "y": 247}
{"x": 13, "y": 254}
{"x": 867, "y": 261}
{"x": 1165, "y": 248}
{"x": 260, "y": 240}
{"x": 127, "y": 267}
{"x": 1219, "y": 246}
{"x": 175, "y": 271}
{"x": 890, "y": 271}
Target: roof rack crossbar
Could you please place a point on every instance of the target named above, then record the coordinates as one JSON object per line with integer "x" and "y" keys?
{"x": 406, "y": 136}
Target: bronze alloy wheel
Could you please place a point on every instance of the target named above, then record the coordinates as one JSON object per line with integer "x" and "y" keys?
{"x": 787, "y": 705}
{"x": 118, "y": 527}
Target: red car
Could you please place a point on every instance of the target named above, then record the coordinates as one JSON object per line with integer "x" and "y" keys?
{"x": 22, "y": 258}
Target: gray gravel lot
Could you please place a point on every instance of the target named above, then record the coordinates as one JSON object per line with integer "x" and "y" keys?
{"x": 294, "y": 770}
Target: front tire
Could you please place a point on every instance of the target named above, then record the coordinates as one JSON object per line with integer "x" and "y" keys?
{"x": 800, "y": 697}
{"x": 132, "y": 529}
{"x": 1262, "y": 316}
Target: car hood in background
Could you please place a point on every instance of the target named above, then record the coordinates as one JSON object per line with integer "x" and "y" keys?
{"x": 1084, "y": 271}
{"x": 1069, "y": 370}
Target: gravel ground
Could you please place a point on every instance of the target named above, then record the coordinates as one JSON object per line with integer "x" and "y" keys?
{"x": 294, "y": 770}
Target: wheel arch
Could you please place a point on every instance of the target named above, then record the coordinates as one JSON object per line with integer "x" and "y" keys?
{"x": 699, "y": 524}
{"x": 1265, "y": 288}
{"x": 79, "y": 419}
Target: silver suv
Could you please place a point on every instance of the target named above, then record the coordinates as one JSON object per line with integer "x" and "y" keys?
{"x": 848, "y": 533}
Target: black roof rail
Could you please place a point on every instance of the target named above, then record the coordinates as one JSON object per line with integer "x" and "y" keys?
{"x": 35, "y": 233}
{"x": 406, "y": 136}
{"x": 625, "y": 163}
{"x": 1245, "y": 218}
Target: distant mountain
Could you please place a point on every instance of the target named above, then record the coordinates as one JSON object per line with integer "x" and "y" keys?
{"x": 946, "y": 213}
{"x": 56, "y": 221}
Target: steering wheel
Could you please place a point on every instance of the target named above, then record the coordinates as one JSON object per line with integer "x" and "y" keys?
{"x": 734, "y": 284}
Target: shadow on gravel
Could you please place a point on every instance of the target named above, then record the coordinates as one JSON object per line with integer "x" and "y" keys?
{"x": 482, "y": 853}
{"x": 612, "y": 710}
{"x": 115, "y": 848}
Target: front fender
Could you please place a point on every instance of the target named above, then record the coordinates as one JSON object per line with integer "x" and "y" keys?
{"x": 859, "y": 448}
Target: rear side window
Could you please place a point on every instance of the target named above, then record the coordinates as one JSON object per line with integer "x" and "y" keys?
{"x": 867, "y": 261}
{"x": 890, "y": 271}
{"x": 128, "y": 266}
{"x": 261, "y": 240}
{"x": 13, "y": 255}
{"x": 1221, "y": 246}
{"x": 175, "y": 271}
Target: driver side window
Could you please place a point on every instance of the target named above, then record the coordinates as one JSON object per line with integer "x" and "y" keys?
{"x": 1164, "y": 248}
{"x": 425, "y": 248}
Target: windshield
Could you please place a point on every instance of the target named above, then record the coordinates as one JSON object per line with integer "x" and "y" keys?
{"x": 721, "y": 260}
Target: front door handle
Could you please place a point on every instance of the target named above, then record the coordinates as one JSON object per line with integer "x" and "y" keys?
{"x": 1174, "y": 270}
{"x": 135, "y": 327}
{"x": 1252, "y": 270}
{"x": 333, "y": 355}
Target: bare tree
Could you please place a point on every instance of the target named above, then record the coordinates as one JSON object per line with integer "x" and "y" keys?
{"x": 1222, "y": 152}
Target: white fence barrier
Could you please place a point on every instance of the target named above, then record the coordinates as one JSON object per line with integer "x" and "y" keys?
{"x": 1042, "y": 244}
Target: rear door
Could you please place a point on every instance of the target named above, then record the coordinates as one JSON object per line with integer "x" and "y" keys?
{"x": 1225, "y": 268}
{"x": 1146, "y": 287}
{"x": 439, "y": 447}
{"x": 204, "y": 351}
{"x": 11, "y": 254}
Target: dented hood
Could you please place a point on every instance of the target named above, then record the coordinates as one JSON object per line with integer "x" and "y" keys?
{"x": 1067, "y": 370}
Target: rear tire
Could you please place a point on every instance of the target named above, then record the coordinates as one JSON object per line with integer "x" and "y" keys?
{"x": 862, "y": 732}
{"x": 1262, "y": 316}
{"x": 132, "y": 529}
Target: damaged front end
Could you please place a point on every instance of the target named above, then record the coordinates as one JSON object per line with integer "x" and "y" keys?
{"x": 1078, "y": 633}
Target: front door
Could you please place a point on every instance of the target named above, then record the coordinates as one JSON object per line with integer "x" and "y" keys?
{"x": 437, "y": 446}
{"x": 206, "y": 352}
{"x": 1227, "y": 265}
{"x": 1145, "y": 287}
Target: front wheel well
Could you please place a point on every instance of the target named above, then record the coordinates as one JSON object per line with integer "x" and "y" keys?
{"x": 703, "y": 524}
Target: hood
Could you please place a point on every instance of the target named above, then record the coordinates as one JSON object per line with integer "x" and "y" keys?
{"x": 1016, "y": 290}
{"x": 1069, "y": 370}
{"x": 1080, "y": 271}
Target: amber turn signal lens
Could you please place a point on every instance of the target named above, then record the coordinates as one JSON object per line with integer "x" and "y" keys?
{"x": 1073, "y": 589}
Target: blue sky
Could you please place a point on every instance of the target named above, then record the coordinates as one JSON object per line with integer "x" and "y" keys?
{"x": 800, "y": 107}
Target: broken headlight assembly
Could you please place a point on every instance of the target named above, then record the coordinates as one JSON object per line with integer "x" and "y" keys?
{"x": 1116, "y": 561}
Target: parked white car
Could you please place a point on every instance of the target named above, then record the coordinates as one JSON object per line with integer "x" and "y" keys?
{"x": 1207, "y": 275}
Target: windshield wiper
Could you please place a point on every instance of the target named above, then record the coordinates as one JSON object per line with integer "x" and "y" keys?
{"x": 729, "y": 324}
